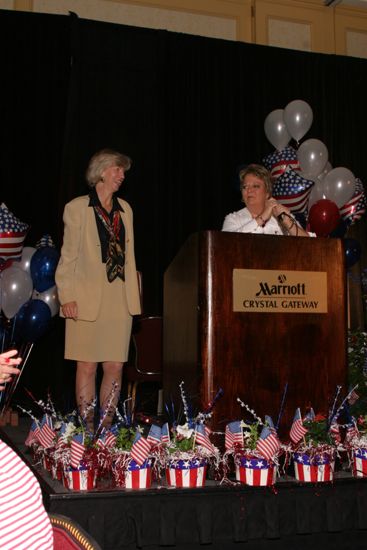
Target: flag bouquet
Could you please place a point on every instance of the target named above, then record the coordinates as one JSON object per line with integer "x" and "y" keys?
{"x": 355, "y": 443}
{"x": 255, "y": 448}
{"x": 134, "y": 456}
{"x": 188, "y": 448}
{"x": 43, "y": 436}
{"x": 314, "y": 439}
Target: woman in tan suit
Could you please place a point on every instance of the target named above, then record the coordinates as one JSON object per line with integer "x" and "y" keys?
{"x": 97, "y": 283}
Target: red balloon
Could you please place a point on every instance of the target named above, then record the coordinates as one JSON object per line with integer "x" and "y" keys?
{"x": 324, "y": 217}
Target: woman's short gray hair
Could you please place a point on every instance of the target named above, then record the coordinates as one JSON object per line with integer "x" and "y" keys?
{"x": 104, "y": 159}
{"x": 260, "y": 172}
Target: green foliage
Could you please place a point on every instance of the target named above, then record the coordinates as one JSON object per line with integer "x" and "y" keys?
{"x": 357, "y": 356}
{"x": 181, "y": 444}
{"x": 125, "y": 438}
{"x": 317, "y": 431}
{"x": 251, "y": 435}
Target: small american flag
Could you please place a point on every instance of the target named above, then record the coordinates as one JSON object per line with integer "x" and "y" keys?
{"x": 111, "y": 436}
{"x": 46, "y": 435}
{"x": 269, "y": 422}
{"x": 281, "y": 161}
{"x": 293, "y": 191}
{"x": 335, "y": 432}
{"x": 354, "y": 209}
{"x": 165, "y": 437}
{"x": 233, "y": 435}
{"x": 297, "y": 430}
{"x": 268, "y": 443}
{"x": 351, "y": 432}
{"x": 154, "y": 435}
{"x": 202, "y": 437}
{"x": 77, "y": 450}
{"x": 353, "y": 397}
{"x": 33, "y": 434}
{"x": 140, "y": 449}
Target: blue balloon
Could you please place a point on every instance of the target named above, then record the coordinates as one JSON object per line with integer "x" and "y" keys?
{"x": 340, "y": 229}
{"x": 43, "y": 266}
{"x": 32, "y": 321}
{"x": 352, "y": 250}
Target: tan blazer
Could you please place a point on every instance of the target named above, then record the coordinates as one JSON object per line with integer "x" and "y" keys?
{"x": 79, "y": 274}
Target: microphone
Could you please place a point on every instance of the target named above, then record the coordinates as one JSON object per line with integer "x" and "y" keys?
{"x": 281, "y": 216}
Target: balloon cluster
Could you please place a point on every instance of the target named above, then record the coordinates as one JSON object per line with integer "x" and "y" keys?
{"x": 329, "y": 199}
{"x": 28, "y": 295}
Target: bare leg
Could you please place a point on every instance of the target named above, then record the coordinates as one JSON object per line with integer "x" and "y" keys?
{"x": 112, "y": 377}
{"x": 85, "y": 390}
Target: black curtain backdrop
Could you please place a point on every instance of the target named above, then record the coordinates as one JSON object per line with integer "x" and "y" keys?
{"x": 188, "y": 110}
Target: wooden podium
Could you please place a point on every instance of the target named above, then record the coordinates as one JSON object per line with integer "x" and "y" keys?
{"x": 254, "y": 354}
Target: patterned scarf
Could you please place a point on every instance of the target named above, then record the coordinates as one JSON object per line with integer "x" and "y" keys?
{"x": 115, "y": 262}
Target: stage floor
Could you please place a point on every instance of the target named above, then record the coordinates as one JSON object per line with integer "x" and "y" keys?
{"x": 289, "y": 515}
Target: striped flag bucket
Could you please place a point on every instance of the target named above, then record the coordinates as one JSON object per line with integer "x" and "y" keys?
{"x": 255, "y": 471}
{"x": 138, "y": 477}
{"x": 360, "y": 463}
{"x": 82, "y": 479}
{"x": 318, "y": 468}
{"x": 186, "y": 473}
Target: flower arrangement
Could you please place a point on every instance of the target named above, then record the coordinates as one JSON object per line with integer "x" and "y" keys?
{"x": 188, "y": 449}
{"x": 255, "y": 448}
{"x": 357, "y": 370}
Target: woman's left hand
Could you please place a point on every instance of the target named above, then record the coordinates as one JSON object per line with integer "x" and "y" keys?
{"x": 8, "y": 366}
{"x": 278, "y": 208}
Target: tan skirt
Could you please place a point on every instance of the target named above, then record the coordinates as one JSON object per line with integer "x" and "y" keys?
{"x": 107, "y": 338}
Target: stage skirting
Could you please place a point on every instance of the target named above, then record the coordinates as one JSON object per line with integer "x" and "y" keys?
{"x": 288, "y": 516}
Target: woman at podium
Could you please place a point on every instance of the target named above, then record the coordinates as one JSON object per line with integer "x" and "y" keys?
{"x": 262, "y": 214}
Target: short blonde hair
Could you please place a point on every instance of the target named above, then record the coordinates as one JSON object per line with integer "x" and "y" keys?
{"x": 260, "y": 172}
{"x": 104, "y": 159}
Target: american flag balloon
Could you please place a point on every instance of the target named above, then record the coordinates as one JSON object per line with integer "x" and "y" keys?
{"x": 354, "y": 209}
{"x": 281, "y": 161}
{"x": 12, "y": 234}
{"x": 293, "y": 191}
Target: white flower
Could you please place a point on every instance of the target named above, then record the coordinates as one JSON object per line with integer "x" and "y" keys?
{"x": 69, "y": 431}
{"x": 185, "y": 431}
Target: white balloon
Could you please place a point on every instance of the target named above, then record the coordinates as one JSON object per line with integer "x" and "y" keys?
{"x": 16, "y": 286}
{"x": 298, "y": 117}
{"x": 312, "y": 156}
{"x": 317, "y": 193}
{"x": 25, "y": 261}
{"x": 340, "y": 185}
{"x": 50, "y": 297}
{"x": 276, "y": 130}
{"x": 325, "y": 171}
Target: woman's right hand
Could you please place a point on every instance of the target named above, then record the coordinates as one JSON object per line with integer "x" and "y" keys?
{"x": 70, "y": 310}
